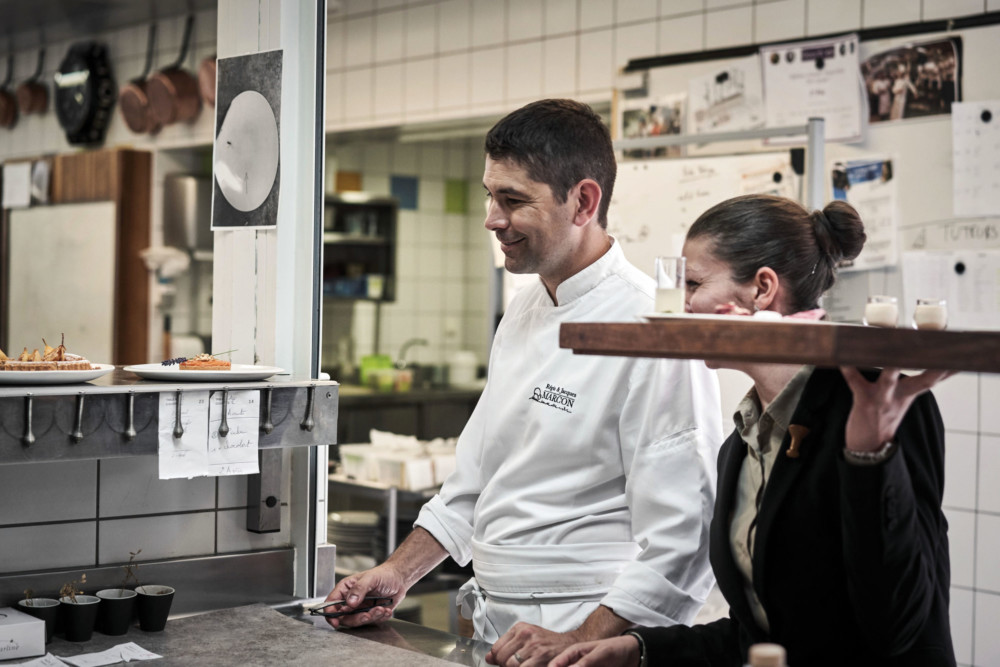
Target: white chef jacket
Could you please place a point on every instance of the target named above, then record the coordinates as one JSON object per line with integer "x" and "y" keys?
{"x": 584, "y": 477}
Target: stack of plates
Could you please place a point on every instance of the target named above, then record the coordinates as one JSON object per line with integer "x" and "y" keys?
{"x": 352, "y": 532}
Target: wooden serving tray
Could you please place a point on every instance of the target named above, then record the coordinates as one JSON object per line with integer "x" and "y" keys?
{"x": 732, "y": 338}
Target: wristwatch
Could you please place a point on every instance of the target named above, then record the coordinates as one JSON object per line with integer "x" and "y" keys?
{"x": 872, "y": 457}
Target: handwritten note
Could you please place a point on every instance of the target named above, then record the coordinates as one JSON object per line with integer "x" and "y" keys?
{"x": 202, "y": 451}
{"x": 648, "y": 218}
{"x": 185, "y": 456}
{"x": 975, "y": 128}
{"x": 236, "y": 452}
{"x": 112, "y": 656}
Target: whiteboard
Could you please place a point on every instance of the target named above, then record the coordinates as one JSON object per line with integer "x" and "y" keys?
{"x": 655, "y": 201}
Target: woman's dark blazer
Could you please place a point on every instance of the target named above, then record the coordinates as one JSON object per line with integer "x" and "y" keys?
{"x": 850, "y": 562}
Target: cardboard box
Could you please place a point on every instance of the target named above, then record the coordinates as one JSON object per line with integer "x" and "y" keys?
{"x": 21, "y": 635}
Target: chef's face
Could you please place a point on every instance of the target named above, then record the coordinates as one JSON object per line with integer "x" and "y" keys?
{"x": 709, "y": 280}
{"x": 533, "y": 228}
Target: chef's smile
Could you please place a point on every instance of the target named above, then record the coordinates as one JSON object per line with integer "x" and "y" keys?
{"x": 507, "y": 245}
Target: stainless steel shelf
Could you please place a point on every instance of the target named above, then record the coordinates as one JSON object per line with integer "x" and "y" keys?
{"x": 118, "y": 415}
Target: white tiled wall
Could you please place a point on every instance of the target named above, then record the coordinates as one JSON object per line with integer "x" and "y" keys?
{"x": 89, "y": 514}
{"x": 972, "y": 506}
{"x": 442, "y": 259}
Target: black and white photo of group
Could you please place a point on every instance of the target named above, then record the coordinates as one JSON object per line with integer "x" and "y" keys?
{"x": 913, "y": 81}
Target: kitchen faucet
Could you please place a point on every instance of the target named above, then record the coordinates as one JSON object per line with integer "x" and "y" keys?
{"x": 401, "y": 359}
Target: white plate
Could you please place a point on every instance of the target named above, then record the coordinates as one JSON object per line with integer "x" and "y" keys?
{"x": 238, "y": 373}
{"x": 729, "y": 318}
{"x": 55, "y": 377}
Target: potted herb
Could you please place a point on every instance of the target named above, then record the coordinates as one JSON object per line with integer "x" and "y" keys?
{"x": 46, "y": 609}
{"x": 118, "y": 604}
{"x": 154, "y": 606}
{"x": 79, "y": 611}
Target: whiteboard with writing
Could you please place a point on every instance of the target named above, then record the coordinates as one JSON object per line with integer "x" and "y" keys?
{"x": 655, "y": 201}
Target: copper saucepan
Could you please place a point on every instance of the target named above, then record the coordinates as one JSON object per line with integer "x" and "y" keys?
{"x": 32, "y": 96}
{"x": 134, "y": 99}
{"x": 8, "y": 105}
{"x": 173, "y": 92}
{"x": 206, "y": 80}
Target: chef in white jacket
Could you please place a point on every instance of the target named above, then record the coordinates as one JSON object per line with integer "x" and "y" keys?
{"x": 585, "y": 484}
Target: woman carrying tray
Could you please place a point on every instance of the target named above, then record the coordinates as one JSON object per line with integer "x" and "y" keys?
{"x": 828, "y": 536}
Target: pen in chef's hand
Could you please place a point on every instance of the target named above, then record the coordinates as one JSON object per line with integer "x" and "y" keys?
{"x": 374, "y": 600}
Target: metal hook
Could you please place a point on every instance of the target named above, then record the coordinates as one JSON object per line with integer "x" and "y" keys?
{"x": 307, "y": 421}
{"x": 29, "y": 437}
{"x": 224, "y": 426}
{"x": 267, "y": 426}
{"x": 130, "y": 425}
{"x": 77, "y": 434}
{"x": 178, "y": 427}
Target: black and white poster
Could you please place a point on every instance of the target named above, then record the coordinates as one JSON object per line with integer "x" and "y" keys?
{"x": 246, "y": 165}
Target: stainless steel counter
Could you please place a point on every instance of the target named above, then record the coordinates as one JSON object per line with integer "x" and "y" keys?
{"x": 259, "y": 635}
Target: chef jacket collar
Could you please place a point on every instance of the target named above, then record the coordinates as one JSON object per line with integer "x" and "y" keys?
{"x": 587, "y": 279}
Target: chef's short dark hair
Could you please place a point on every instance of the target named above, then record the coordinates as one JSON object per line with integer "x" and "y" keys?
{"x": 559, "y": 143}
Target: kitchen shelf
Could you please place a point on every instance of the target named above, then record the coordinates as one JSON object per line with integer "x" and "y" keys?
{"x": 334, "y": 238}
{"x": 359, "y": 247}
{"x": 389, "y": 494}
{"x": 817, "y": 343}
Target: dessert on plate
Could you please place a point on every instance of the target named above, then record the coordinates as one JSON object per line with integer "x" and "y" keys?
{"x": 205, "y": 362}
{"x": 50, "y": 359}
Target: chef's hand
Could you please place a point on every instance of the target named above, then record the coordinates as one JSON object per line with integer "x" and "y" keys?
{"x": 526, "y": 645}
{"x": 620, "y": 651}
{"x": 381, "y": 581}
{"x": 880, "y": 406}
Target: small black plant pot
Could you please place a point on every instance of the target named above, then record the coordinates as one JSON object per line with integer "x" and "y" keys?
{"x": 79, "y": 617}
{"x": 154, "y": 606}
{"x": 116, "y": 611}
{"x": 47, "y": 609}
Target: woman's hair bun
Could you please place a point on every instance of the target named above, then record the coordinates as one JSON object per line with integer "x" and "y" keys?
{"x": 839, "y": 230}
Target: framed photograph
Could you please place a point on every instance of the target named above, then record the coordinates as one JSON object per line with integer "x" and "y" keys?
{"x": 914, "y": 80}
{"x": 246, "y": 161}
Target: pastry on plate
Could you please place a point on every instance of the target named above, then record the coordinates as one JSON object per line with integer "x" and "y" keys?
{"x": 51, "y": 359}
{"x": 205, "y": 362}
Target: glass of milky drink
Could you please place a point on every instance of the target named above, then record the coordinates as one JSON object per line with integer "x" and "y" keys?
{"x": 930, "y": 314}
{"x": 669, "y": 284}
{"x": 881, "y": 311}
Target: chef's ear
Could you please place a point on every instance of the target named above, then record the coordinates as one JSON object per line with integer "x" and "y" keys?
{"x": 587, "y": 196}
{"x": 766, "y": 285}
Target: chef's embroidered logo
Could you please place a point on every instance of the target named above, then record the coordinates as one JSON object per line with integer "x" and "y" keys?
{"x": 554, "y": 397}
